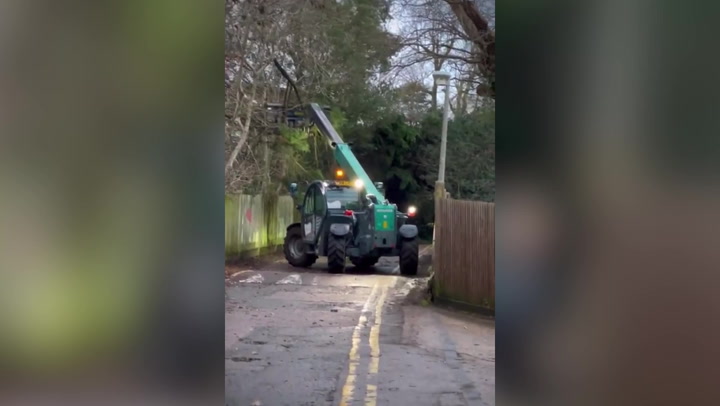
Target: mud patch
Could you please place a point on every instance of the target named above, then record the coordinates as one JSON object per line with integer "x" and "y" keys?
{"x": 419, "y": 293}
{"x": 245, "y": 359}
{"x": 253, "y": 342}
{"x": 452, "y": 399}
{"x": 334, "y": 307}
{"x": 467, "y": 386}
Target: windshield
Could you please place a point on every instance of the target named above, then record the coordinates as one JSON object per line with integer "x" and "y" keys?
{"x": 343, "y": 198}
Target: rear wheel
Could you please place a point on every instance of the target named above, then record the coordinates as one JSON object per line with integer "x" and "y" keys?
{"x": 336, "y": 253}
{"x": 295, "y": 249}
{"x": 364, "y": 262}
{"x": 409, "y": 257}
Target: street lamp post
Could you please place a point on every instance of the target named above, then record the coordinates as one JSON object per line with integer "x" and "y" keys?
{"x": 441, "y": 79}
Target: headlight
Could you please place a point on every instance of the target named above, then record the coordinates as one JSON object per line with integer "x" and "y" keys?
{"x": 358, "y": 184}
{"x": 411, "y": 211}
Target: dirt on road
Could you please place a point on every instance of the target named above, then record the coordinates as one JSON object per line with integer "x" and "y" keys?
{"x": 305, "y": 337}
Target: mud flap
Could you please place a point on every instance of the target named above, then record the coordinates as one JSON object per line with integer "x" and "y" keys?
{"x": 339, "y": 230}
{"x": 408, "y": 231}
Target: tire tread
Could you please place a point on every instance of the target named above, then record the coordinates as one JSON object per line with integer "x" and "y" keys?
{"x": 409, "y": 253}
{"x": 336, "y": 254}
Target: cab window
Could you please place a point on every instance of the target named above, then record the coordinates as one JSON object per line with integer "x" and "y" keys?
{"x": 319, "y": 203}
{"x": 343, "y": 198}
{"x": 309, "y": 203}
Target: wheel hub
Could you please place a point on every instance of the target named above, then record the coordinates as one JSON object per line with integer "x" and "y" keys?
{"x": 297, "y": 248}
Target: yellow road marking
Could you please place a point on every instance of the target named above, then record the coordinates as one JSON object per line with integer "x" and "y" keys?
{"x": 371, "y": 396}
{"x": 353, "y": 356}
{"x": 371, "y": 390}
{"x": 375, "y": 334}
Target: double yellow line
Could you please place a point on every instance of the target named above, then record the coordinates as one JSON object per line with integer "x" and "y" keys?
{"x": 348, "y": 389}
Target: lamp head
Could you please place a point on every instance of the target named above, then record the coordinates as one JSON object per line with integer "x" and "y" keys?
{"x": 441, "y": 78}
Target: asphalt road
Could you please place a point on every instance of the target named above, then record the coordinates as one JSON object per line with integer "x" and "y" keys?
{"x": 301, "y": 337}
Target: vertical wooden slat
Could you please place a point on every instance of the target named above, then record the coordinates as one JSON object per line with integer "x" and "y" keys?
{"x": 464, "y": 255}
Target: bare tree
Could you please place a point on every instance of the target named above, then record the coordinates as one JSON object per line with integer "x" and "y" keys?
{"x": 293, "y": 32}
{"x": 250, "y": 29}
{"x": 478, "y": 30}
{"x": 435, "y": 38}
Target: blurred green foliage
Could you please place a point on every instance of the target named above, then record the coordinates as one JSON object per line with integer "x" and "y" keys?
{"x": 109, "y": 163}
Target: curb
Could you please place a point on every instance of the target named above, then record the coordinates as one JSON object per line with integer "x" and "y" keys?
{"x": 452, "y": 304}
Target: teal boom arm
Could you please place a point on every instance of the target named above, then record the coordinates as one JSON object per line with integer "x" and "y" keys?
{"x": 342, "y": 153}
{"x": 346, "y": 159}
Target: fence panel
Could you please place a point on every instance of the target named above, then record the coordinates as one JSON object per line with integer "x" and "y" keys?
{"x": 253, "y": 223}
{"x": 464, "y": 252}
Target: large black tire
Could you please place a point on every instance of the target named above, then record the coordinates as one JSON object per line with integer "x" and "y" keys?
{"x": 294, "y": 249}
{"x": 409, "y": 253}
{"x": 364, "y": 262}
{"x": 336, "y": 253}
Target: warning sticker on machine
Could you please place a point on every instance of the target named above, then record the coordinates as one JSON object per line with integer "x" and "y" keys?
{"x": 384, "y": 219}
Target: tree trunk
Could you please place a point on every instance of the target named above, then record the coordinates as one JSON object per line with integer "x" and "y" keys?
{"x": 244, "y": 130}
{"x": 478, "y": 30}
{"x": 266, "y": 158}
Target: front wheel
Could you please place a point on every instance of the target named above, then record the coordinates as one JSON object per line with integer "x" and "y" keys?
{"x": 295, "y": 250}
{"x": 409, "y": 252}
{"x": 336, "y": 253}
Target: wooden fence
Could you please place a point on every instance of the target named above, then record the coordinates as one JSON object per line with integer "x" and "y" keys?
{"x": 253, "y": 223}
{"x": 464, "y": 252}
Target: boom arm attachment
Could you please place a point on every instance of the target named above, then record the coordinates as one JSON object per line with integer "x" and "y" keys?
{"x": 343, "y": 155}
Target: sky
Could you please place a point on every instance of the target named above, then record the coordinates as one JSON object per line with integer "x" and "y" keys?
{"x": 395, "y": 25}
{"x": 399, "y": 21}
